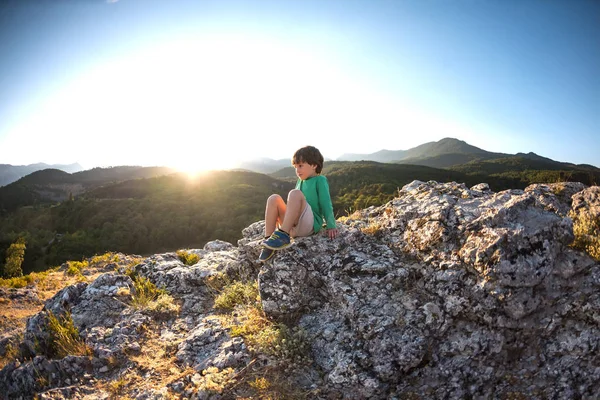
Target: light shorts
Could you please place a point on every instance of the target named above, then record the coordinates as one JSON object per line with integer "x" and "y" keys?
{"x": 305, "y": 223}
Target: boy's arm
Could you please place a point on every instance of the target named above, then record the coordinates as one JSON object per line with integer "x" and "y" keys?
{"x": 325, "y": 202}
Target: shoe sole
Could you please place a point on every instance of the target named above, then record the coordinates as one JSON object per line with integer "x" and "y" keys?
{"x": 277, "y": 248}
{"x": 267, "y": 259}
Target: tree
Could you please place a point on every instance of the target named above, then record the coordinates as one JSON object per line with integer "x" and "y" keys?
{"x": 15, "y": 255}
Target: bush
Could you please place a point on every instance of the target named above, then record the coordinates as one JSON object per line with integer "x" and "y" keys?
{"x": 187, "y": 258}
{"x": 238, "y": 293}
{"x": 15, "y": 255}
{"x": 75, "y": 267}
{"x": 104, "y": 258}
{"x": 25, "y": 280}
{"x": 215, "y": 380}
{"x": 259, "y": 333}
{"x": 586, "y": 229}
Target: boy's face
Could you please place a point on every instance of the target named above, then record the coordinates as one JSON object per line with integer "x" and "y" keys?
{"x": 305, "y": 171}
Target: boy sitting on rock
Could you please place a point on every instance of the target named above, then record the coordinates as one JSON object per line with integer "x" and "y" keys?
{"x": 307, "y": 205}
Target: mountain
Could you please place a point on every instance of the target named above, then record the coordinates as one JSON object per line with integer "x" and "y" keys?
{"x": 263, "y": 165}
{"x": 440, "y": 154}
{"x": 11, "y": 173}
{"x": 54, "y": 185}
{"x": 384, "y": 156}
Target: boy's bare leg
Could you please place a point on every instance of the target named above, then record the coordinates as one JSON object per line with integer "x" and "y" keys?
{"x": 274, "y": 213}
{"x": 295, "y": 205}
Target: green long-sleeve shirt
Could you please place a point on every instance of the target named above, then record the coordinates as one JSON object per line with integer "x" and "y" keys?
{"x": 316, "y": 192}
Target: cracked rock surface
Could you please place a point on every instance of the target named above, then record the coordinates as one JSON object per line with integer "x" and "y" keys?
{"x": 445, "y": 292}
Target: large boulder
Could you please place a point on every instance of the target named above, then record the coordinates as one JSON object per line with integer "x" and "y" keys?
{"x": 445, "y": 292}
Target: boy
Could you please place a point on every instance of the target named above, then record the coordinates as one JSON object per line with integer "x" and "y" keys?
{"x": 307, "y": 206}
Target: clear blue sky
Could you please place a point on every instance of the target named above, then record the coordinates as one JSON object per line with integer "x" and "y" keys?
{"x": 198, "y": 83}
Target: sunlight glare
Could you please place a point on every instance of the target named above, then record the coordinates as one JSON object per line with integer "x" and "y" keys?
{"x": 207, "y": 102}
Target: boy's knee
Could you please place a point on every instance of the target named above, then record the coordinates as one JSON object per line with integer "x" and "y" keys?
{"x": 274, "y": 198}
{"x": 295, "y": 193}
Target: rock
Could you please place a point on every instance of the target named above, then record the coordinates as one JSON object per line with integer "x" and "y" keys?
{"x": 444, "y": 292}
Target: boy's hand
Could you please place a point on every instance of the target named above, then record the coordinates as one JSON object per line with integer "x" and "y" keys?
{"x": 332, "y": 233}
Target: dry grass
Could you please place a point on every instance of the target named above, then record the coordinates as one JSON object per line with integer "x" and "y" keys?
{"x": 372, "y": 229}
{"x": 153, "y": 369}
{"x": 586, "y": 228}
{"x": 14, "y": 314}
{"x": 287, "y": 348}
{"x": 11, "y": 353}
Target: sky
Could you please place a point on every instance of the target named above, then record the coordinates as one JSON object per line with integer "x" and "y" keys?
{"x": 202, "y": 84}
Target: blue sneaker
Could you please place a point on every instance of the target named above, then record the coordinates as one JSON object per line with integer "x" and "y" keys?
{"x": 278, "y": 240}
{"x": 266, "y": 254}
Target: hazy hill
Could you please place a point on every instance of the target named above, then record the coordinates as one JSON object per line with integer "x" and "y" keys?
{"x": 263, "y": 165}
{"x": 385, "y": 156}
{"x": 458, "y": 150}
{"x": 11, "y": 173}
{"x": 53, "y": 185}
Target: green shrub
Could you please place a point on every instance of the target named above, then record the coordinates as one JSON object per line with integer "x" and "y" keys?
{"x": 75, "y": 267}
{"x": 586, "y": 229}
{"x": 187, "y": 258}
{"x": 64, "y": 337}
{"x": 286, "y": 347}
{"x": 16, "y": 282}
{"x": 15, "y": 255}
{"x": 105, "y": 258}
{"x": 238, "y": 293}
{"x": 25, "y": 280}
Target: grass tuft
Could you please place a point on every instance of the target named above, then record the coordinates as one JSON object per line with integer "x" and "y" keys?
{"x": 64, "y": 337}
{"x": 586, "y": 229}
{"x": 215, "y": 380}
{"x": 11, "y": 353}
{"x": 372, "y": 229}
{"x": 145, "y": 292}
{"x": 238, "y": 293}
{"x": 187, "y": 258}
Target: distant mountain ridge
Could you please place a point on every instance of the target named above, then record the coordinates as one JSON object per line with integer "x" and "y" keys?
{"x": 426, "y": 153}
{"x": 446, "y": 153}
{"x": 54, "y": 185}
{"x": 263, "y": 165}
{"x": 11, "y": 173}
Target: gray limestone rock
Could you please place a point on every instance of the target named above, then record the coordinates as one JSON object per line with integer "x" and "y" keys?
{"x": 445, "y": 292}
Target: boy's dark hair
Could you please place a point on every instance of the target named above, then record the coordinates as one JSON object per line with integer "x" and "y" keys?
{"x": 310, "y": 155}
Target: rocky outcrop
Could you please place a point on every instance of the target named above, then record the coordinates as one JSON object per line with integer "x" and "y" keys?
{"x": 444, "y": 292}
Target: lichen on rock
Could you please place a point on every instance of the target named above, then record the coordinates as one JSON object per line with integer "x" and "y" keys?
{"x": 444, "y": 292}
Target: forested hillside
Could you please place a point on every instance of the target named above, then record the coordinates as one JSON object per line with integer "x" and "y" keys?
{"x": 54, "y": 185}
{"x": 141, "y": 216}
{"x": 165, "y": 213}
{"x": 524, "y": 169}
